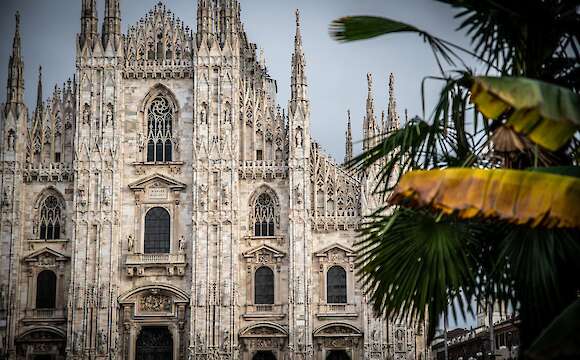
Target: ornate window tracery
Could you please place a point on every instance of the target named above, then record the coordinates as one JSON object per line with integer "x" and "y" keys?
{"x": 160, "y": 130}
{"x": 157, "y": 231}
{"x": 50, "y": 222}
{"x": 264, "y": 216}
{"x": 336, "y": 285}
{"x": 46, "y": 290}
{"x": 264, "y": 286}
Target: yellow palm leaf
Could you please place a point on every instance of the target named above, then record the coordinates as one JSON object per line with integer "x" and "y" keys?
{"x": 516, "y": 196}
{"x": 547, "y": 114}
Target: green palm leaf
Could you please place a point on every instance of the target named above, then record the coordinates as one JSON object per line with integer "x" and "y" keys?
{"x": 411, "y": 262}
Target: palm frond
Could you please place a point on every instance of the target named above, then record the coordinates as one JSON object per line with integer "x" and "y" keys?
{"x": 547, "y": 114}
{"x": 411, "y": 262}
{"x": 515, "y": 196}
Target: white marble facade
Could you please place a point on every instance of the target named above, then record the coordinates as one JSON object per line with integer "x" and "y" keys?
{"x": 162, "y": 205}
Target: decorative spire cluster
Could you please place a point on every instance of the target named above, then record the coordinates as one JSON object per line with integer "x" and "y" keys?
{"x": 373, "y": 132}
{"x": 15, "y": 86}
{"x": 112, "y": 24}
{"x": 217, "y": 20}
{"x": 299, "y": 82}
{"x": 89, "y": 23}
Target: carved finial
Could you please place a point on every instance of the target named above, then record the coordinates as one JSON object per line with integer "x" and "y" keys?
{"x": 17, "y": 20}
{"x": 370, "y": 82}
{"x": 391, "y": 84}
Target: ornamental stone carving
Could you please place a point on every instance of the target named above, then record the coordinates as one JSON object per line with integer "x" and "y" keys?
{"x": 155, "y": 303}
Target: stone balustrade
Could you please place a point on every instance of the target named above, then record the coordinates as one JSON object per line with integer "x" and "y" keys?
{"x": 141, "y": 264}
{"x": 265, "y": 311}
{"x": 44, "y": 315}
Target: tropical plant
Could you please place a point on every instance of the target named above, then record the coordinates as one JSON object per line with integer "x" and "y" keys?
{"x": 482, "y": 233}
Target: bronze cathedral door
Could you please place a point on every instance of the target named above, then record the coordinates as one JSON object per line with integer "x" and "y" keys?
{"x": 154, "y": 343}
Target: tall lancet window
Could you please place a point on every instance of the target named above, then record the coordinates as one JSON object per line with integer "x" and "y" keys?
{"x": 50, "y": 222}
{"x": 264, "y": 216}
{"x": 336, "y": 285}
{"x": 157, "y": 231}
{"x": 159, "y": 130}
{"x": 264, "y": 286}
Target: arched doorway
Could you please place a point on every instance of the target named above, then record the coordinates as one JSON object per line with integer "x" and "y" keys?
{"x": 154, "y": 343}
{"x": 337, "y": 355}
{"x": 264, "y": 355}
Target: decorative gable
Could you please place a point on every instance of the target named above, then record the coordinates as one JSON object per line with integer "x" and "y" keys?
{"x": 336, "y": 254}
{"x": 264, "y": 254}
{"x": 45, "y": 257}
{"x": 157, "y": 188}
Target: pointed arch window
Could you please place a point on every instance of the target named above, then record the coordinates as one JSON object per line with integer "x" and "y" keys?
{"x": 336, "y": 285}
{"x": 160, "y": 130}
{"x": 157, "y": 231}
{"x": 46, "y": 290}
{"x": 264, "y": 216}
{"x": 264, "y": 286}
{"x": 51, "y": 218}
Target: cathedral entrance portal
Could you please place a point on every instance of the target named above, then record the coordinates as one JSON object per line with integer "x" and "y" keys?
{"x": 154, "y": 343}
{"x": 264, "y": 355}
{"x": 337, "y": 355}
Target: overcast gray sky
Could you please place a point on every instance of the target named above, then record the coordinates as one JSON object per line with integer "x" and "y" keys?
{"x": 336, "y": 72}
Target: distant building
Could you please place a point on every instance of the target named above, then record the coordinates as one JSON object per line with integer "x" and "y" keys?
{"x": 474, "y": 344}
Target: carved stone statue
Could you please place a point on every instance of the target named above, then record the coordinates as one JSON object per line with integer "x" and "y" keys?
{"x": 130, "y": 244}
{"x": 181, "y": 244}
{"x": 86, "y": 114}
{"x": 109, "y": 115}
{"x": 299, "y": 137}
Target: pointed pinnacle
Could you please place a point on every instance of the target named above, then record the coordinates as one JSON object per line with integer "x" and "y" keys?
{"x": 39, "y": 89}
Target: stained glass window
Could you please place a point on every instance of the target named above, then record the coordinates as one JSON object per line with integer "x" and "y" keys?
{"x": 264, "y": 216}
{"x": 159, "y": 130}
{"x": 50, "y": 218}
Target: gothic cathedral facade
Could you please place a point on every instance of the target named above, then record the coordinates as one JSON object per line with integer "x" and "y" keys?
{"x": 161, "y": 205}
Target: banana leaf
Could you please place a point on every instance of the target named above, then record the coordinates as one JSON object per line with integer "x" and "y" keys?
{"x": 547, "y": 114}
{"x": 560, "y": 339}
{"x": 515, "y": 196}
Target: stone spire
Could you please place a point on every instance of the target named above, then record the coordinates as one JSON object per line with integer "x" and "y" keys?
{"x": 348, "y": 144}
{"x": 89, "y": 22}
{"x": 393, "y": 122}
{"x": 15, "y": 86}
{"x": 369, "y": 123}
{"x": 112, "y": 23}
{"x": 299, "y": 83}
{"x": 39, "y": 110}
